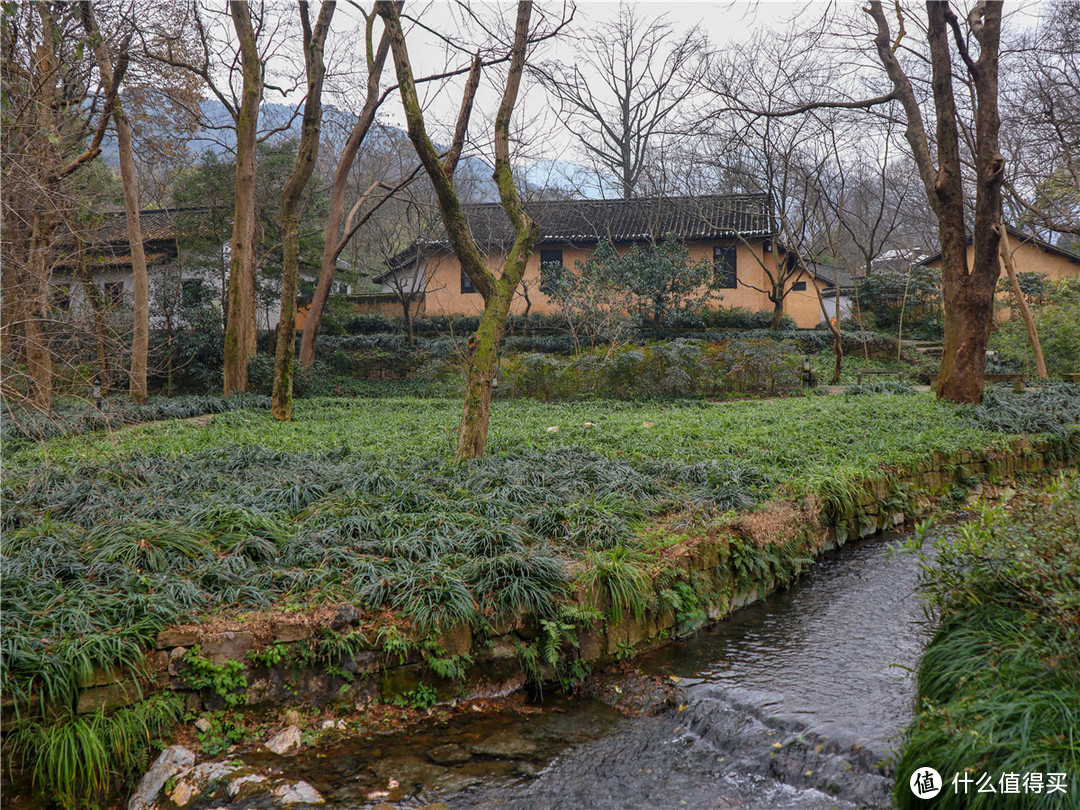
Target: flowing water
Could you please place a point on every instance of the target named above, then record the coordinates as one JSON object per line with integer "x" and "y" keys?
{"x": 794, "y": 702}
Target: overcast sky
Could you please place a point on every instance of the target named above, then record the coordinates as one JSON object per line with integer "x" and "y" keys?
{"x": 720, "y": 22}
{"x": 545, "y": 136}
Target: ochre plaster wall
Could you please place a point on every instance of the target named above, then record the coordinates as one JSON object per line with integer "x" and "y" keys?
{"x": 444, "y": 296}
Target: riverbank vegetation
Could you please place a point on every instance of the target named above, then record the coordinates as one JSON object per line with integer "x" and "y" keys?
{"x": 997, "y": 684}
{"x": 111, "y": 537}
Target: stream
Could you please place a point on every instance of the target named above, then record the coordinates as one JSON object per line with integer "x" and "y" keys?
{"x": 793, "y": 702}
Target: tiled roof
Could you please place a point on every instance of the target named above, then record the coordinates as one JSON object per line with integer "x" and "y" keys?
{"x": 110, "y": 228}
{"x": 833, "y": 275}
{"x": 633, "y": 220}
{"x": 1018, "y": 237}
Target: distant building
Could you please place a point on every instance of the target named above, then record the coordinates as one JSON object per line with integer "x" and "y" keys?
{"x": 737, "y": 232}
{"x": 99, "y": 253}
{"x": 1030, "y": 255}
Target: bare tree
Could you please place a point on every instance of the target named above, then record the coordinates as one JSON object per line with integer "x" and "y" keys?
{"x": 625, "y": 84}
{"x": 968, "y": 292}
{"x": 49, "y": 115}
{"x": 496, "y": 290}
{"x": 306, "y": 155}
{"x": 395, "y": 239}
{"x": 1041, "y": 113}
{"x": 334, "y": 244}
{"x": 240, "y": 326}
{"x": 140, "y": 340}
{"x": 234, "y": 72}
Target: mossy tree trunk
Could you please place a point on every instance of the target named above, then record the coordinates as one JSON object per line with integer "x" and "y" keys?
{"x": 306, "y": 155}
{"x": 968, "y": 292}
{"x": 496, "y": 290}
{"x": 240, "y": 324}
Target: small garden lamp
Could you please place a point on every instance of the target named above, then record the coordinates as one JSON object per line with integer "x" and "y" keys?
{"x": 97, "y": 392}
{"x": 807, "y": 373}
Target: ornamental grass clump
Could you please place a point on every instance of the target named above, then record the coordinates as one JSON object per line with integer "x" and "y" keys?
{"x": 101, "y": 556}
{"x": 72, "y": 417}
{"x": 997, "y": 684}
{"x": 1051, "y": 408}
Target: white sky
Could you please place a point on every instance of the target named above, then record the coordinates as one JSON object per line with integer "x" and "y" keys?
{"x": 546, "y": 137}
{"x": 721, "y": 22}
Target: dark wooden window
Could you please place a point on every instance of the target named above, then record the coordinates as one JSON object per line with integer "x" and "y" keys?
{"x": 551, "y": 257}
{"x": 466, "y": 283}
{"x": 725, "y": 266}
{"x": 799, "y": 286}
{"x": 114, "y": 292}
{"x": 60, "y": 296}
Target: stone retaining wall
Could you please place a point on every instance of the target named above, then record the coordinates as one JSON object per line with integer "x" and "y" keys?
{"x": 300, "y": 659}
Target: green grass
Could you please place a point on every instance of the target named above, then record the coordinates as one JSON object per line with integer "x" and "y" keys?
{"x": 998, "y": 683}
{"x": 800, "y": 438}
{"x": 823, "y": 362}
{"x": 110, "y": 537}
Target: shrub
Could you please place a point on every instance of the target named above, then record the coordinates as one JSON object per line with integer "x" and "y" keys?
{"x": 1051, "y": 408}
{"x": 678, "y": 368}
{"x": 1057, "y": 321}
{"x": 914, "y": 293}
{"x": 741, "y": 318}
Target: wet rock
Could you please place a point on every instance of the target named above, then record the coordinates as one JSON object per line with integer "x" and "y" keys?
{"x": 102, "y": 676}
{"x": 286, "y": 741}
{"x": 408, "y": 770}
{"x": 449, "y": 754}
{"x": 527, "y": 769}
{"x": 505, "y": 745}
{"x": 173, "y": 760}
{"x": 109, "y": 697}
{"x": 197, "y": 782}
{"x": 176, "y": 660}
{"x": 457, "y": 640}
{"x": 504, "y": 648}
{"x": 637, "y": 693}
{"x": 246, "y": 787}
{"x": 345, "y": 615}
{"x": 298, "y": 793}
{"x": 291, "y": 718}
{"x": 286, "y": 632}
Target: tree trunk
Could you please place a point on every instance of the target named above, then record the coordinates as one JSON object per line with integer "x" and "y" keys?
{"x": 1021, "y": 303}
{"x": 968, "y": 294}
{"x": 496, "y": 292}
{"x": 35, "y": 311}
{"x": 101, "y": 328}
{"x": 306, "y": 155}
{"x": 834, "y": 327}
{"x": 140, "y": 339}
{"x": 332, "y": 247}
{"x": 483, "y": 361}
{"x": 777, "y": 321}
{"x": 240, "y": 326}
